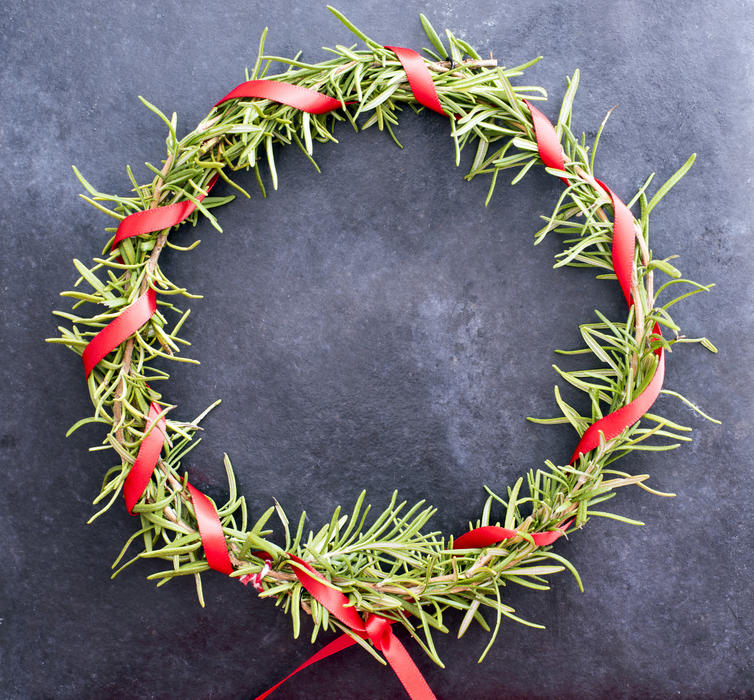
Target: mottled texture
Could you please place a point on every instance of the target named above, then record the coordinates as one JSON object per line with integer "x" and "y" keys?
{"x": 375, "y": 326}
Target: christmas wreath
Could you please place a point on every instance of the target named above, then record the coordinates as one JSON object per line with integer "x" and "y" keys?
{"x": 366, "y": 576}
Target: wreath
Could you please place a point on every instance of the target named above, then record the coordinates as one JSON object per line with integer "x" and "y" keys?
{"x": 363, "y": 576}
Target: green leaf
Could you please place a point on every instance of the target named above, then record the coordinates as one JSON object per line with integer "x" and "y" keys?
{"x": 670, "y": 183}
{"x": 433, "y": 36}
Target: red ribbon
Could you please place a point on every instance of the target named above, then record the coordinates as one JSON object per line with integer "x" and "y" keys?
{"x": 211, "y": 532}
{"x": 137, "y": 314}
{"x": 616, "y": 422}
{"x": 151, "y": 220}
{"x": 481, "y": 537}
{"x": 161, "y": 218}
{"x": 548, "y": 143}
{"x": 146, "y": 459}
{"x": 419, "y": 78}
{"x": 119, "y": 329}
{"x": 292, "y": 95}
{"x": 337, "y": 645}
{"x": 624, "y": 242}
{"x": 375, "y": 628}
{"x": 623, "y": 250}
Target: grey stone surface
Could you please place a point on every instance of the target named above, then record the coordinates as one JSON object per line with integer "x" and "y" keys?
{"x": 375, "y": 326}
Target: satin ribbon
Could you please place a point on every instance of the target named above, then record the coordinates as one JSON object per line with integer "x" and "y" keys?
{"x": 624, "y": 242}
{"x": 152, "y": 220}
{"x": 548, "y": 143}
{"x": 375, "y": 628}
{"x": 623, "y": 251}
{"x": 161, "y": 218}
{"x": 146, "y": 459}
{"x": 337, "y": 645}
{"x": 481, "y": 537}
{"x": 121, "y": 327}
{"x": 211, "y": 532}
{"x": 292, "y": 95}
{"x": 616, "y": 422}
{"x": 419, "y": 78}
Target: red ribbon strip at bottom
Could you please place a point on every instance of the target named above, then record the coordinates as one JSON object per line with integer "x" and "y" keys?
{"x": 337, "y": 645}
{"x": 376, "y": 628}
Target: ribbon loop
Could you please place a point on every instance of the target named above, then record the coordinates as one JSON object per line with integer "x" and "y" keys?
{"x": 378, "y": 630}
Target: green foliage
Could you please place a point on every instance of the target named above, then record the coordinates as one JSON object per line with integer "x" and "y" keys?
{"x": 389, "y": 564}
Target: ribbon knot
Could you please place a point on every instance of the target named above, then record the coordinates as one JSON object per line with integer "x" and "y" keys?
{"x": 378, "y": 631}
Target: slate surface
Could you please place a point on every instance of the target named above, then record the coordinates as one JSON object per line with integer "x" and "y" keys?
{"x": 375, "y": 326}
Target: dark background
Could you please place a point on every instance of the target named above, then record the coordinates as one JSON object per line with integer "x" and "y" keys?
{"x": 375, "y": 326}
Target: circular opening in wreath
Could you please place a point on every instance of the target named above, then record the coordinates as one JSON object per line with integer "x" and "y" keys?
{"x": 374, "y": 326}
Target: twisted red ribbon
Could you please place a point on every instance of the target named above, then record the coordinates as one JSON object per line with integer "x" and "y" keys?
{"x": 159, "y": 219}
{"x": 337, "y": 645}
{"x": 616, "y": 422}
{"x": 548, "y": 143}
{"x": 419, "y": 78}
{"x": 137, "y": 314}
{"x": 119, "y": 329}
{"x": 376, "y": 628}
{"x": 211, "y": 532}
{"x": 624, "y": 242}
{"x": 292, "y": 95}
{"x": 146, "y": 458}
{"x": 623, "y": 251}
{"x": 481, "y": 537}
